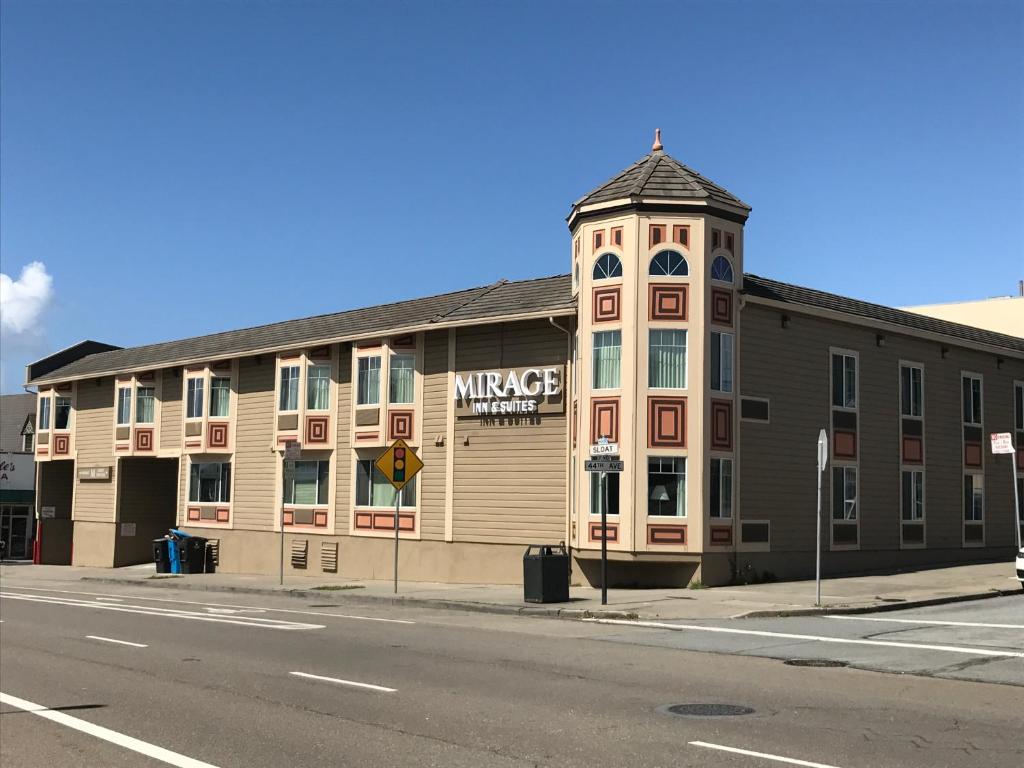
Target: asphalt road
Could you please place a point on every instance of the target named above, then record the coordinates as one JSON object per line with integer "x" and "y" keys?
{"x": 212, "y": 678}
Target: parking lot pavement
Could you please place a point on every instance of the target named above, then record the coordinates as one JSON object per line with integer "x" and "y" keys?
{"x": 980, "y": 641}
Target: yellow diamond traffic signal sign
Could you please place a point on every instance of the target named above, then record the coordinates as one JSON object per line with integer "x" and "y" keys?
{"x": 399, "y": 464}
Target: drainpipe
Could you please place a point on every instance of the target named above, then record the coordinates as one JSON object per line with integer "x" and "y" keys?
{"x": 566, "y": 396}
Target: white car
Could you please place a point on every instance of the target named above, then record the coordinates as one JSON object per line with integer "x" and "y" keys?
{"x": 1020, "y": 567}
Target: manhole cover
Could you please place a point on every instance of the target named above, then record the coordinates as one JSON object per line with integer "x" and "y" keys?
{"x": 814, "y": 663}
{"x": 706, "y": 710}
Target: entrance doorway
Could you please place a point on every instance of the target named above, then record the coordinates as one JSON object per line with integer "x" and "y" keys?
{"x": 16, "y": 526}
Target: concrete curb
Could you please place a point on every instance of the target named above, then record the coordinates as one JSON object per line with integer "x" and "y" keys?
{"x": 840, "y": 610}
{"x": 364, "y": 599}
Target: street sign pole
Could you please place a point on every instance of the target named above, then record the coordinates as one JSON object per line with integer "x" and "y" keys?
{"x": 822, "y": 461}
{"x": 399, "y": 464}
{"x": 604, "y": 538}
{"x": 398, "y": 507}
{"x": 1016, "y": 500}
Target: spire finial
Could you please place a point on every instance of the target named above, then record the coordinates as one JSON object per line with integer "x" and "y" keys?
{"x": 657, "y": 147}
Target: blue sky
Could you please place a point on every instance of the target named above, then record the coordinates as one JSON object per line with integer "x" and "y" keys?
{"x": 187, "y": 167}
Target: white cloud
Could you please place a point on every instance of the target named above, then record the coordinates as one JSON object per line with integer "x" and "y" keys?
{"x": 22, "y": 301}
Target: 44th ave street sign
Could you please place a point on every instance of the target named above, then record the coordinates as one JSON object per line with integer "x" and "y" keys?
{"x": 604, "y": 465}
{"x": 399, "y": 464}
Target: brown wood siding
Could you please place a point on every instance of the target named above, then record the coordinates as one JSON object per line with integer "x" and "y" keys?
{"x": 343, "y": 454}
{"x": 170, "y": 410}
{"x": 94, "y": 437}
{"x": 435, "y": 411}
{"x": 778, "y": 485}
{"x": 254, "y": 503}
{"x": 510, "y": 475}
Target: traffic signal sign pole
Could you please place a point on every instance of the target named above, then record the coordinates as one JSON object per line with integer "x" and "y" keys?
{"x": 399, "y": 464}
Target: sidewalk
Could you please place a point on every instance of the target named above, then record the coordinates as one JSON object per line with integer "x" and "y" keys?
{"x": 841, "y": 595}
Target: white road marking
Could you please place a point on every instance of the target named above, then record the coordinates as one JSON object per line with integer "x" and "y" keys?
{"x": 120, "y": 739}
{"x": 762, "y": 755}
{"x": 815, "y": 638}
{"x": 339, "y": 681}
{"x": 934, "y": 622}
{"x": 119, "y": 642}
{"x": 226, "y": 605}
{"x": 150, "y": 610}
{"x": 109, "y": 599}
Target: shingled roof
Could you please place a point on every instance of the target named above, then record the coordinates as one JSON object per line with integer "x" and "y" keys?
{"x": 661, "y": 177}
{"x": 786, "y": 293}
{"x": 500, "y": 300}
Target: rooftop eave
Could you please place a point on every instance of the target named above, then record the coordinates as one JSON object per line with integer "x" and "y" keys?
{"x": 700, "y": 205}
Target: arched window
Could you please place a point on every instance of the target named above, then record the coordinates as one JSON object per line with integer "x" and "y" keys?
{"x": 669, "y": 263}
{"x": 606, "y": 266}
{"x": 721, "y": 269}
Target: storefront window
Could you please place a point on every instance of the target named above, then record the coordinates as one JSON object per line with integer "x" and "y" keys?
{"x": 666, "y": 365}
{"x": 597, "y": 493}
{"x": 145, "y": 405}
{"x": 220, "y": 396}
{"x": 308, "y": 484}
{"x": 210, "y": 483}
{"x": 124, "y": 406}
{"x": 289, "y": 397}
{"x": 368, "y": 381}
{"x": 62, "y": 410}
{"x": 607, "y": 355}
{"x": 401, "y": 380}
{"x": 666, "y": 486}
{"x": 374, "y": 490}
{"x": 318, "y": 388}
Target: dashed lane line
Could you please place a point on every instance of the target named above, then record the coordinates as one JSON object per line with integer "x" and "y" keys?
{"x": 351, "y": 683}
{"x": 119, "y": 642}
{"x": 761, "y": 755}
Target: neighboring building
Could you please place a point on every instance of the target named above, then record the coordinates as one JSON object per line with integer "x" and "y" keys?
{"x": 713, "y": 383}
{"x": 1002, "y": 314}
{"x": 17, "y": 475}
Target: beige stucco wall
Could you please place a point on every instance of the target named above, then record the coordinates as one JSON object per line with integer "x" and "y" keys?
{"x": 1004, "y": 314}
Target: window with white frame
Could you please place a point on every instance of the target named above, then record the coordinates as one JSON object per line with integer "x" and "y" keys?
{"x": 308, "y": 483}
{"x": 844, "y": 380}
{"x": 607, "y": 266}
{"x": 669, "y": 264}
{"x": 374, "y": 490}
{"x": 666, "y": 486}
{"x": 607, "y": 359}
{"x": 145, "y": 405}
{"x": 844, "y": 494}
{"x": 974, "y": 498}
{"x": 288, "y": 397}
{"x": 721, "y": 488}
{"x": 28, "y": 441}
{"x": 220, "y": 396}
{"x": 912, "y": 496}
{"x": 194, "y": 399}
{"x": 597, "y": 493}
{"x": 971, "y": 386}
{"x": 911, "y": 391}
{"x": 210, "y": 483}
{"x": 402, "y": 377}
{"x": 721, "y": 361}
{"x": 318, "y": 388}
{"x": 368, "y": 380}
{"x": 721, "y": 270}
{"x": 666, "y": 360}
{"x": 44, "y": 414}
{"x": 124, "y": 406}
{"x": 62, "y": 412}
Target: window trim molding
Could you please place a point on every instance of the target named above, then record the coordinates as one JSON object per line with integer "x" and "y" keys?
{"x": 964, "y": 522}
{"x": 924, "y": 507}
{"x": 856, "y": 383}
{"x": 833, "y": 547}
{"x": 965, "y": 374}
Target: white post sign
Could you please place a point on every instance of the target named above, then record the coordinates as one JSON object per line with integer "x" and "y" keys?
{"x": 1002, "y": 442}
{"x": 822, "y": 463}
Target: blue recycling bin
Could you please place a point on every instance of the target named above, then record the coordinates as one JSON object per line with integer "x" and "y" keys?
{"x": 172, "y": 549}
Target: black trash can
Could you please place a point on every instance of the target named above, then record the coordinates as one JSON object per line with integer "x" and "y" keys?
{"x": 161, "y": 555}
{"x": 546, "y": 574}
{"x": 192, "y": 554}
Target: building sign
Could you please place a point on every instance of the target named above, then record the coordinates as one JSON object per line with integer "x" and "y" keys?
{"x": 48, "y": 512}
{"x": 17, "y": 471}
{"x": 94, "y": 473}
{"x": 1002, "y": 442}
{"x": 510, "y": 392}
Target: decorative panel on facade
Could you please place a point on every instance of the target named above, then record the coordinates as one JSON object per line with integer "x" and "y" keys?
{"x": 667, "y": 302}
{"x": 61, "y": 445}
{"x": 721, "y": 535}
{"x": 913, "y": 450}
{"x": 606, "y": 304}
{"x": 400, "y": 425}
{"x": 611, "y": 532}
{"x": 604, "y": 419}
{"x": 666, "y": 534}
{"x": 616, "y": 237}
{"x": 972, "y": 454}
{"x": 666, "y": 422}
{"x": 316, "y": 430}
{"x": 681, "y": 235}
{"x": 721, "y": 425}
{"x": 657, "y": 234}
{"x": 384, "y": 521}
{"x": 721, "y": 306}
{"x": 143, "y": 439}
{"x": 844, "y": 444}
{"x": 598, "y": 239}
{"x": 217, "y": 435}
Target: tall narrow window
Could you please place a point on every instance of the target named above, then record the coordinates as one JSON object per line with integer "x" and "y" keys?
{"x": 402, "y": 376}
{"x": 62, "y": 412}
{"x": 974, "y": 498}
{"x": 318, "y": 388}
{"x": 972, "y": 400}
{"x": 368, "y": 385}
{"x": 44, "y": 414}
{"x": 194, "y": 406}
{"x": 374, "y": 490}
{"x": 666, "y": 486}
{"x": 145, "y": 405}
{"x": 124, "y": 406}
{"x": 308, "y": 484}
{"x": 607, "y": 359}
{"x": 844, "y": 381}
{"x": 666, "y": 363}
{"x": 289, "y": 395}
{"x": 721, "y": 361}
{"x": 721, "y": 488}
{"x": 28, "y": 441}
{"x": 913, "y": 496}
{"x": 911, "y": 391}
{"x": 1018, "y": 408}
{"x": 844, "y": 494}
{"x": 597, "y": 493}
{"x": 220, "y": 396}
{"x": 210, "y": 483}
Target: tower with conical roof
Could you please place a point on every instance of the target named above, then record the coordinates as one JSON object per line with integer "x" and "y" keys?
{"x": 657, "y": 261}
